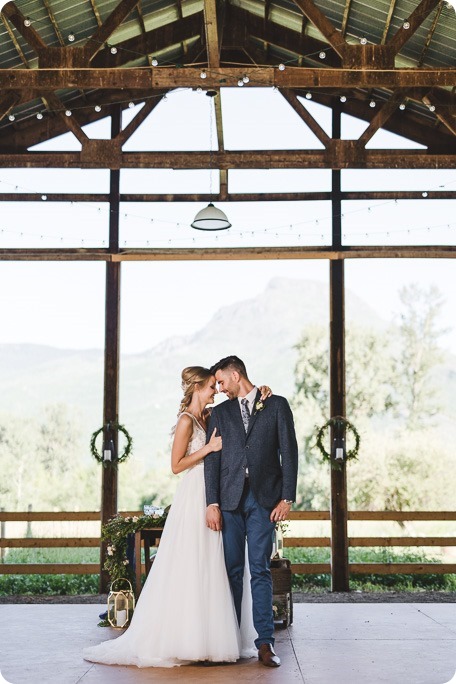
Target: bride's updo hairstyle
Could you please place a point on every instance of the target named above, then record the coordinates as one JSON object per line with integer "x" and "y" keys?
{"x": 191, "y": 378}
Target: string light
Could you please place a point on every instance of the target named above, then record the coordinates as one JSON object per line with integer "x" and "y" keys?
{"x": 281, "y": 67}
{"x": 240, "y": 82}
{"x": 322, "y": 54}
{"x": 27, "y": 22}
{"x": 203, "y": 74}
{"x": 431, "y": 108}
{"x": 39, "y": 116}
{"x": 11, "y": 117}
{"x": 97, "y": 108}
{"x": 154, "y": 61}
{"x": 245, "y": 78}
{"x": 131, "y": 105}
{"x": 113, "y": 50}
{"x": 68, "y": 112}
{"x": 308, "y": 95}
{"x": 363, "y": 40}
{"x": 71, "y": 37}
{"x": 372, "y": 103}
{"x": 402, "y": 106}
{"x": 343, "y": 98}
{"x": 406, "y": 25}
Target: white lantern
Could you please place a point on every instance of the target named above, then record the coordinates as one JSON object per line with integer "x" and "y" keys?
{"x": 121, "y": 604}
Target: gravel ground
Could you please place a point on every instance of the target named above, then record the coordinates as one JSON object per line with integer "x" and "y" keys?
{"x": 298, "y": 597}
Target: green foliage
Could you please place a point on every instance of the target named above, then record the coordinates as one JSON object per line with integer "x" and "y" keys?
{"x": 55, "y": 585}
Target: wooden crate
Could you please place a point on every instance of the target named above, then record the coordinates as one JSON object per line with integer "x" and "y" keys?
{"x": 282, "y": 598}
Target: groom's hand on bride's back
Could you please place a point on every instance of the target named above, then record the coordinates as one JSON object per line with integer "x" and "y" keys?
{"x": 214, "y": 518}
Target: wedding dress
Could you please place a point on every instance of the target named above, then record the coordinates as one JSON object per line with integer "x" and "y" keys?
{"x": 185, "y": 612}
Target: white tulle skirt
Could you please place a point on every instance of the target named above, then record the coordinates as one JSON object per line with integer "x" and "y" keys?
{"x": 185, "y": 612}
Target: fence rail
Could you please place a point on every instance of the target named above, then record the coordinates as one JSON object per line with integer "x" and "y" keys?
{"x": 289, "y": 542}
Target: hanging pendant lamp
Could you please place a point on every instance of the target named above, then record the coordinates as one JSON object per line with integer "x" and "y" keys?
{"x": 211, "y": 218}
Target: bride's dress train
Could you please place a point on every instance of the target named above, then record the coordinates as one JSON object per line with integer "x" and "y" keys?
{"x": 185, "y": 612}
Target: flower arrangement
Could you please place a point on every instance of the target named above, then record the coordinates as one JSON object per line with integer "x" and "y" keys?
{"x": 116, "y": 532}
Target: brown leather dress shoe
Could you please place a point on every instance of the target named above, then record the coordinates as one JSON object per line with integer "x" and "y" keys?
{"x": 267, "y": 656}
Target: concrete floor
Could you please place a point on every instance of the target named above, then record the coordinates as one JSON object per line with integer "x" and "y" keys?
{"x": 328, "y": 643}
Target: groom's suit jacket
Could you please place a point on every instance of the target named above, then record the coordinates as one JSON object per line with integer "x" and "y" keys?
{"x": 269, "y": 450}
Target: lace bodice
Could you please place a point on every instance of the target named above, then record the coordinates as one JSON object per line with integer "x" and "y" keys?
{"x": 198, "y": 439}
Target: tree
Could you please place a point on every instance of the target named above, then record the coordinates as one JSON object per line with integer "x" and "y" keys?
{"x": 419, "y": 354}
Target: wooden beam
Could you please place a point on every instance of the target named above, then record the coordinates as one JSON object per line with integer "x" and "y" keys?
{"x": 136, "y": 122}
{"x": 324, "y": 25}
{"x": 7, "y": 102}
{"x": 351, "y": 196}
{"x": 308, "y": 119}
{"x": 56, "y": 106}
{"x": 28, "y": 33}
{"x": 96, "y": 13}
{"x": 388, "y": 21}
{"x": 143, "y": 78}
{"x": 343, "y": 29}
{"x": 430, "y": 34}
{"x": 14, "y": 40}
{"x": 249, "y": 254}
{"x": 211, "y": 31}
{"x": 340, "y": 154}
{"x": 381, "y": 117}
{"x": 443, "y": 110}
{"x": 418, "y": 16}
{"x": 52, "y": 18}
{"x": 101, "y": 35}
{"x": 151, "y": 42}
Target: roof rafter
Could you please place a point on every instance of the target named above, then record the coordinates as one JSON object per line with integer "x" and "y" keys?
{"x": 7, "y": 102}
{"x": 381, "y": 117}
{"x": 212, "y": 33}
{"x": 299, "y": 108}
{"x": 324, "y": 25}
{"x": 28, "y": 33}
{"x": 101, "y": 35}
{"x": 418, "y": 16}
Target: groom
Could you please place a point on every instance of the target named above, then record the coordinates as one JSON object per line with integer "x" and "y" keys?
{"x": 250, "y": 486}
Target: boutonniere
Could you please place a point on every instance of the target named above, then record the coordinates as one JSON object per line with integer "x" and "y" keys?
{"x": 259, "y": 406}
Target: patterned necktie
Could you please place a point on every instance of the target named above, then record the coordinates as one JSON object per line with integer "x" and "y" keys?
{"x": 245, "y": 413}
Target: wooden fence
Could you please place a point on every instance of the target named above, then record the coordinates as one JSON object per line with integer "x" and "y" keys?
{"x": 289, "y": 542}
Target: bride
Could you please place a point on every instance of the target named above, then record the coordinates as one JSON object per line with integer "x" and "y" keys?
{"x": 185, "y": 612}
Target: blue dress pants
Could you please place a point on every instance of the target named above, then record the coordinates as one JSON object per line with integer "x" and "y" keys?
{"x": 252, "y": 521}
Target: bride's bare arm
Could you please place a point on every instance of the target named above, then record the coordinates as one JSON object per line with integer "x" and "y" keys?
{"x": 182, "y": 437}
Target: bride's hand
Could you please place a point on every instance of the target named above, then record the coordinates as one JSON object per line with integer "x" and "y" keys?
{"x": 265, "y": 392}
{"x": 215, "y": 443}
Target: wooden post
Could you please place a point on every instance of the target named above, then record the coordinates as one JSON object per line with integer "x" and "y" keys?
{"x": 112, "y": 349}
{"x": 339, "y": 535}
{"x": 2, "y": 536}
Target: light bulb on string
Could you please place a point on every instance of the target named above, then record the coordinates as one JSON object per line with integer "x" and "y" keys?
{"x": 308, "y": 96}
{"x": 131, "y": 105}
{"x": 39, "y": 116}
{"x": 97, "y": 108}
{"x": 240, "y": 82}
{"x": 372, "y": 103}
{"x": 343, "y": 98}
{"x": 402, "y": 106}
{"x": 11, "y": 117}
{"x": 27, "y": 22}
{"x": 431, "y": 108}
{"x": 68, "y": 112}
{"x": 113, "y": 50}
{"x": 406, "y": 25}
{"x": 245, "y": 78}
{"x": 281, "y": 67}
{"x": 203, "y": 74}
{"x": 322, "y": 54}
{"x": 71, "y": 37}
{"x": 363, "y": 41}
{"x": 154, "y": 61}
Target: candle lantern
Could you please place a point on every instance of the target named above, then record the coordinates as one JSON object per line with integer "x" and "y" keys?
{"x": 121, "y": 604}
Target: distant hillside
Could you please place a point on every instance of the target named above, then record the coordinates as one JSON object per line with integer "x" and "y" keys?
{"x": 262, "y": 330}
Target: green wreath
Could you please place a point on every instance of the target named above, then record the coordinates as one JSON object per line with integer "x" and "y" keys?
{"x": 340, "y": 424}
{"x": 127, "y": 448}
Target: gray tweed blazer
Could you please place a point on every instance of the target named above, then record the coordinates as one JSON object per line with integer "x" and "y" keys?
{"x": 269, "y": 450}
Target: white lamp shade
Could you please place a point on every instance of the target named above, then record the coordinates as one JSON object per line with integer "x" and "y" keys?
{"x": 211, "y": 218}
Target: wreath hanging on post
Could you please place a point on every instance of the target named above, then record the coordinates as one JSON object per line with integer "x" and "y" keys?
{"x": 114, "y": 459}
{"x": 339, "y": 453}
